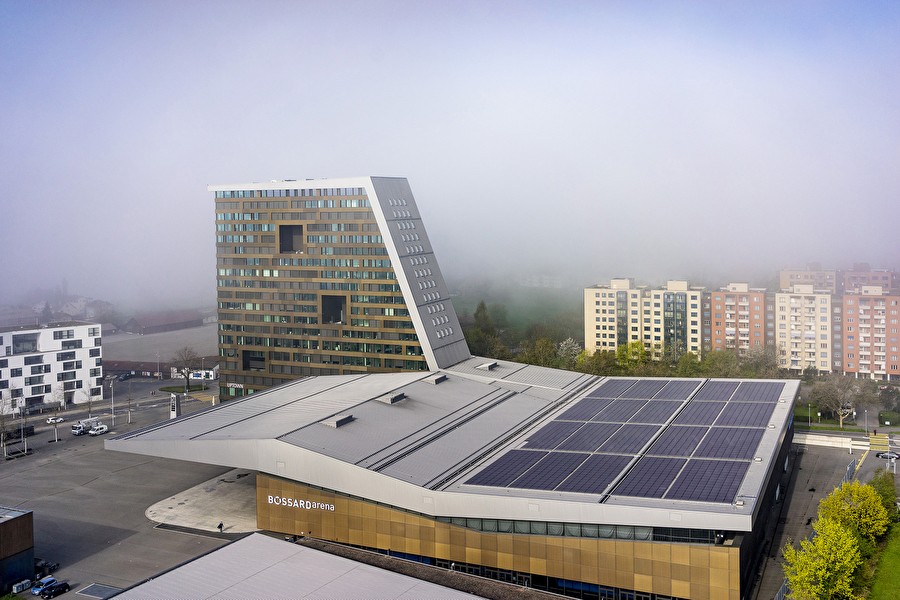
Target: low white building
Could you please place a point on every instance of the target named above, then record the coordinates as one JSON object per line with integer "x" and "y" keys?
{"x": 50, "y": 366}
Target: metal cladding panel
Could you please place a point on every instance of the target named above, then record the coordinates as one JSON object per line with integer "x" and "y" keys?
{"x": 444, "y": 454}
{"x": 379, "y": 430}
{"x": 418, "y": 273}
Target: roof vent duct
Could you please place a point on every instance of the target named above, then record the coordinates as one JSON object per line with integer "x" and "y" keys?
{"x": 490, "y": 366}
{"x": 393, "y": 399}
{"x": 437, "y": 379}
{"x": 337, "y": 420}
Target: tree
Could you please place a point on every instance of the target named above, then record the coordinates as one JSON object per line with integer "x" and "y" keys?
{"x": 687, "y": 365}
{"x": 601, "y": 362}
{"x": 883, "y": 483}
{"x": 837, "y": 394}
{"x": 858, "y": 507}
{"x": 185, "y": 359}
{"x": 567, "y": 353}
{"x": 720, "y": 363}
{"x": 631, "y": 355}
{"x": 761, "y": 362}
{"x": 823, "y": 568}
{"x": 542, "y": 352}
{"x": 90, "y": 399}
{"x": 483, "y": 320}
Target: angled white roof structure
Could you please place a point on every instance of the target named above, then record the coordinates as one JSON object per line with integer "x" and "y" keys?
{"x": 497, "y": 439}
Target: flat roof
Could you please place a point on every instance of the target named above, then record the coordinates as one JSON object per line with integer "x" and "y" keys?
{"x": 458, "y": 441}
{"x": 261, "y": 566}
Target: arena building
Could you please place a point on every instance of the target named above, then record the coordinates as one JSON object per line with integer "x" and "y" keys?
{"x": 589, "y": 486}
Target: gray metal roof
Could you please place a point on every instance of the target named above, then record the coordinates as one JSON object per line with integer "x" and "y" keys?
{"x": 260, "y": 566}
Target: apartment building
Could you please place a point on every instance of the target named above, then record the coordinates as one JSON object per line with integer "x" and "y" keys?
{"x": 820, "y": 279}
{"x": 871, "y": 334}
{"x": 665, "y": 320}
{"x": 863, "y": 275}
{"x": 803, "y": 318}
{"x": 50, "y": 366}
{"x": 327, "y": 277}
{"x": 738, "y": 318}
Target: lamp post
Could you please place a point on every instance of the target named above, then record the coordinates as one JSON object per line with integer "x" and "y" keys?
{"x": 158, "y": 374}
{"x": 867, "y": 421}
{"x": 112, "y": 399}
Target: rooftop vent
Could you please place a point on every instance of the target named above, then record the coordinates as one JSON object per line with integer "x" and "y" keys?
{"x": 436, "y": 379}
{"x": 489, "y": 366}
{"x": 337, "y": 420}
{"x": 392, "y": 398}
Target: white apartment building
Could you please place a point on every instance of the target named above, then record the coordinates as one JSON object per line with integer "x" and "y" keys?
{"x": 803, "y": 335}
{"x": 50, "y": 366}
{"x": 664, "y": 319}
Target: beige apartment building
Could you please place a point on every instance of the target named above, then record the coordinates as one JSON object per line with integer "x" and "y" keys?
{"x": 665, "y": 320}
{"x": 803, "y": 335}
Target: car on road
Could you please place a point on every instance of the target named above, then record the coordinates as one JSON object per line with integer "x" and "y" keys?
{"x": 52, "y": 420}
{"x": 55, "y": 589}
{"x": 98, "y": 429}
{"x": 887, "y": 455}
{"x": 42, "y": 583}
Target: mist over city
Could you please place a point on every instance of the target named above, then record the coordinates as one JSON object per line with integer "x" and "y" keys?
{"x": 704, "y": 141}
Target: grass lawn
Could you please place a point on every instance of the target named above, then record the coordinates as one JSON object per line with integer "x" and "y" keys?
{"x": 887, "y": 576}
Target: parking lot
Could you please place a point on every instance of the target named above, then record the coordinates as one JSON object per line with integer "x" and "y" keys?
{"x": 89, "y": 504}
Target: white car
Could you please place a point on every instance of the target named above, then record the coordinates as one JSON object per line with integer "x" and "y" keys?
{"x": 98, "y": 429}
{"x": 52, "y": 420}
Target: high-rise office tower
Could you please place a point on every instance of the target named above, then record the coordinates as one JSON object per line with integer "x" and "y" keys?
{"x": 327, "y": 277}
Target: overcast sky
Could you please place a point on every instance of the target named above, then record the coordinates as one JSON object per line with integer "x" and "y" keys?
{"x": 648, "y": 139}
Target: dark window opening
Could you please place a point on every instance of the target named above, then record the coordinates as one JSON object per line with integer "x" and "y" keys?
{"x": 333, "y": 309}
{"x": 290, "y": 238}
{"x": 253, "y": 360}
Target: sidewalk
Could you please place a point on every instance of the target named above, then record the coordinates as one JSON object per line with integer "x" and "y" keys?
{"x": 229, "y": 499}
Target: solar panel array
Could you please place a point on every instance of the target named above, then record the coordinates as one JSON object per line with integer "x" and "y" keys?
{"x": 646, "y": 438}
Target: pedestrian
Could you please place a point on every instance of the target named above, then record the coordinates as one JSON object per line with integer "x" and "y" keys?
{"x": 221, "y": 526}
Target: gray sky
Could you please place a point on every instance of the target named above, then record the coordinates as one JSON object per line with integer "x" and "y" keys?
{"x": 654, "y": 139}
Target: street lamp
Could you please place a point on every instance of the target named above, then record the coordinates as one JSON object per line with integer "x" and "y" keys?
{"x": 112, "y": 396}
{"x": 809, "y": 416}
{"x": 867, "y": 421}
{"x": 158, "y": 374}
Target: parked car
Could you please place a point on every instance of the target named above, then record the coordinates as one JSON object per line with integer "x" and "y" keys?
{"x": 98, "y": 429}
{"x": 52, "y": 420}
{"x": 44, "y": 567}
{"x": 124, "y": 376}
{"x": 888, "y": 455}
{"x": 42, "y": 583}
{"x": 55, "y": 589}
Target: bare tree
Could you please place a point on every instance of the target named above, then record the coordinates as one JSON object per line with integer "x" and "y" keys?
{"x": 840, "y": 395}
{"x": 3, "y": 420}
{"x": 185, "y": 359}
{"x": 90, "y": 400}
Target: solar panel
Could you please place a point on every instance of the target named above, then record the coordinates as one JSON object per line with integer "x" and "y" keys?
{"x": 644, "y": 389}
{"x": 716, "y": 390}
{"x": 699, "y": 413}
{"x": 759, "y": 391}
{"x": 612, "y": 388}
{"x": 730, "y": 442}
{"x": 650, "y": 477}
{"x": 678, "y": 441}
{"x": 629, "y": 439}
{"x": 550, "y": 471}
{"x": 747, "y": 414}
{"x": 709, "y": 481}
{"x": 585, "y": 409}
{"x": 507, "y": 468}
{"x": 677, "y": 390}
{"x": 658, "y": 411}
{"x": 550, "y": 435}
{"x": 595, "y": 474}
{"x": 619, "y": 411}
{"x": 589, "y": 437}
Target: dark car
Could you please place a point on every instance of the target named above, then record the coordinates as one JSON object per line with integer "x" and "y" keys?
{"x": 124, "y": 376}
{"x": 888, "y": 455}
{"x": 55, "y": 589}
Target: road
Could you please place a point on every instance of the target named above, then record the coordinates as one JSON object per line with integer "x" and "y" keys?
{"x": 89, "y": 503}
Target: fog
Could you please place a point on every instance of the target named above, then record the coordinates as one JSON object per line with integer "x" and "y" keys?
{"x": 711, "y": 141}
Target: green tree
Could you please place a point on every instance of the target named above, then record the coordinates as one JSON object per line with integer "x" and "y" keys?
{"x": 822, "y": 569}
{"x": 483, "y": 320}
{"x": 541, "y": 352}
{"x": 631, "y": 355}
{"x": 883, "y": 483}
{"x": 761, "y": 362}
{"x": 601, "y": 362}
{"x": 720, "y": 363}
{"x": 687, "y": 365}
{"x": 839, "y": 395}
{"x": 858, "y": 507}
